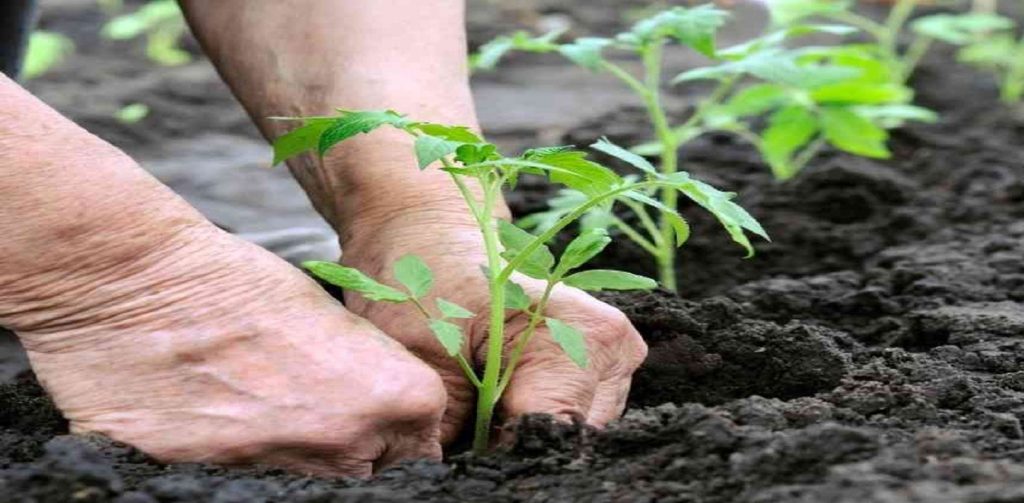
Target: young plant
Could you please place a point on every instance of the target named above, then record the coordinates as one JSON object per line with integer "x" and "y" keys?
{"x": 987, "y": 41}
{"x": 811, "y": 97}
{"x": 470, "y": 161}
{"x": 163, "y": 25}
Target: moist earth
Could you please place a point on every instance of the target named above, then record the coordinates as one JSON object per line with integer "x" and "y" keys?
{"x": 872, "y": 352}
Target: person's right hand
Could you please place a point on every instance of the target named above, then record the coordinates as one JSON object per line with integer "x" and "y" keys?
{"x": 203, "y": 347}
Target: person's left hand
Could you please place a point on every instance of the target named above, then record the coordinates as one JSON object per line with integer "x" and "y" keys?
{"x": 546, "y": 380}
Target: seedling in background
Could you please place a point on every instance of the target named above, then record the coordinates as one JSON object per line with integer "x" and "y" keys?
{"x": 812, "y": 97}
{"x": 163, "y": 25}
{"x": 471, "y": 161}
{"x": 987, "y": 41}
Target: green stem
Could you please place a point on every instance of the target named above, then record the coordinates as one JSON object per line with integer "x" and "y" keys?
{"x": 488, "y": 395}
{"x": 635, "y": 236}
{"x": 517, "y": 353}
{"x": 646, "y": 220}
{"x": 870, "y": 26}
{"x": 668, "y": 162}
{"x": 1012, "y": 87}
{"x": 918, "y": 48}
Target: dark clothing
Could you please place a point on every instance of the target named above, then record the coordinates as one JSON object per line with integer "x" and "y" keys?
{"x": 16, "y": 20}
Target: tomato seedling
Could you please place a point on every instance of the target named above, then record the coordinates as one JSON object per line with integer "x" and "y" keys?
{"x": 812, "y": 97}
{"x": 471, "y": 161}
{"x": 987, "y": 41}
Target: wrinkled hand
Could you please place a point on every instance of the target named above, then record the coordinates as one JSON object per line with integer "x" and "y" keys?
{"x": 546, "y": 380}
{"x": 210, "y": 349}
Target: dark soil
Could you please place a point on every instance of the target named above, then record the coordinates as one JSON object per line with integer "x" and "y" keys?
{"x": 871, "y": 353}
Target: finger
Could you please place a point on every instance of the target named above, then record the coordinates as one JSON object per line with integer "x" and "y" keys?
{"x": 609, "y": 401}
{"x": 408, "y": 449}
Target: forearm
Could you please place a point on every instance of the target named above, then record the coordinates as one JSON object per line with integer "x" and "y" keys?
{"x": 308, "y": 58}
{"x": 72, "y": 207}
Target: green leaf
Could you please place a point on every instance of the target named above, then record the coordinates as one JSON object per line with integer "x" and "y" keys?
{"x": 606, "y": 146}
{"x": 449, "y": 335}
{"x": 991, "y": 52}
{"x": 414, "y": 274}
{"x": 458, "y": 134}
{"x": 784, "y": 12}
{"x": 45, "y": 51}
{"x": 491, "y": 53}
{"x": 732, "y": 216}
{"x": 599, "y": 279}
{"x": 695, "y": 27}
{"x": 777, "y": 66}
{"x": 585, "y": 247}
{"x": 515, "y": 296}
{"x": 300, "y": 139}
{"x": 538, "y": 264}
{"x": 350, "y": 124}
{"x": 453, "y": 310}
{"x": 789, "y": 129}
{"x": 861, "y": 93}
{"x": 848, "y": 131}
{"x": 586, "y": 52}
{"x": 352, "y": 279}
{"x": 430, "y": 149}
{"x": 572, "y": 169}
{"x": 469, "y": 154}
{"x": 894, "y": 115}
{"x": 570, "y": 340}
{"x": 960, "y": 29}
{"x": 756, "y": 100}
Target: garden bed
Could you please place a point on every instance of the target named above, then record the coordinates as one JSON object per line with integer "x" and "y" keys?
{"x": 874, "y": 351}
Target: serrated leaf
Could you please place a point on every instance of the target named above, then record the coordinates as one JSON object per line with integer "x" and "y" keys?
{"x": 350, "y": 124}
{"x": 514, "y": 239}
{"x": 848, "y": 131}
{"x": 414, "y": 274}
{"x": 430, "y": 149}
{"x": 585, "y": 247}
{"x": 453, "y": 310}
{"x": 570, "y": 340}
{"x": 586, "y": 52}
{"x": 491, "y": 53}
{"x": 449, "y": 335}
{"x": 469, "y": 154}
{"x": 572, "y": 169}
{"x": 354, "y": 280}
{"x": 606, "y": 146}
{"x": 600, "y": 279}
{"x": 515, "y": 296}
{"x": 789, "y": 129}
{"x": 694, "y": 27}
{"x": 732, "y": 216}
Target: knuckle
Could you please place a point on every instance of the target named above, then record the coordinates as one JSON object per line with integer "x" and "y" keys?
{"x": 419, "y": 397}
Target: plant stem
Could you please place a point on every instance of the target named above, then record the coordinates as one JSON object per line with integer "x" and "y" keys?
{"x": 668, "y": 163}
{"x": 1012, "y": 86}
{"x": 488, "y": 395}
{"x": 517, "y": 353}
{"x": 635, "y": 236}
{"x": 918, "y": 48}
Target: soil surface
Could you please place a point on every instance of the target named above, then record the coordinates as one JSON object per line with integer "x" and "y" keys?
{"x": 872, "y": 352}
